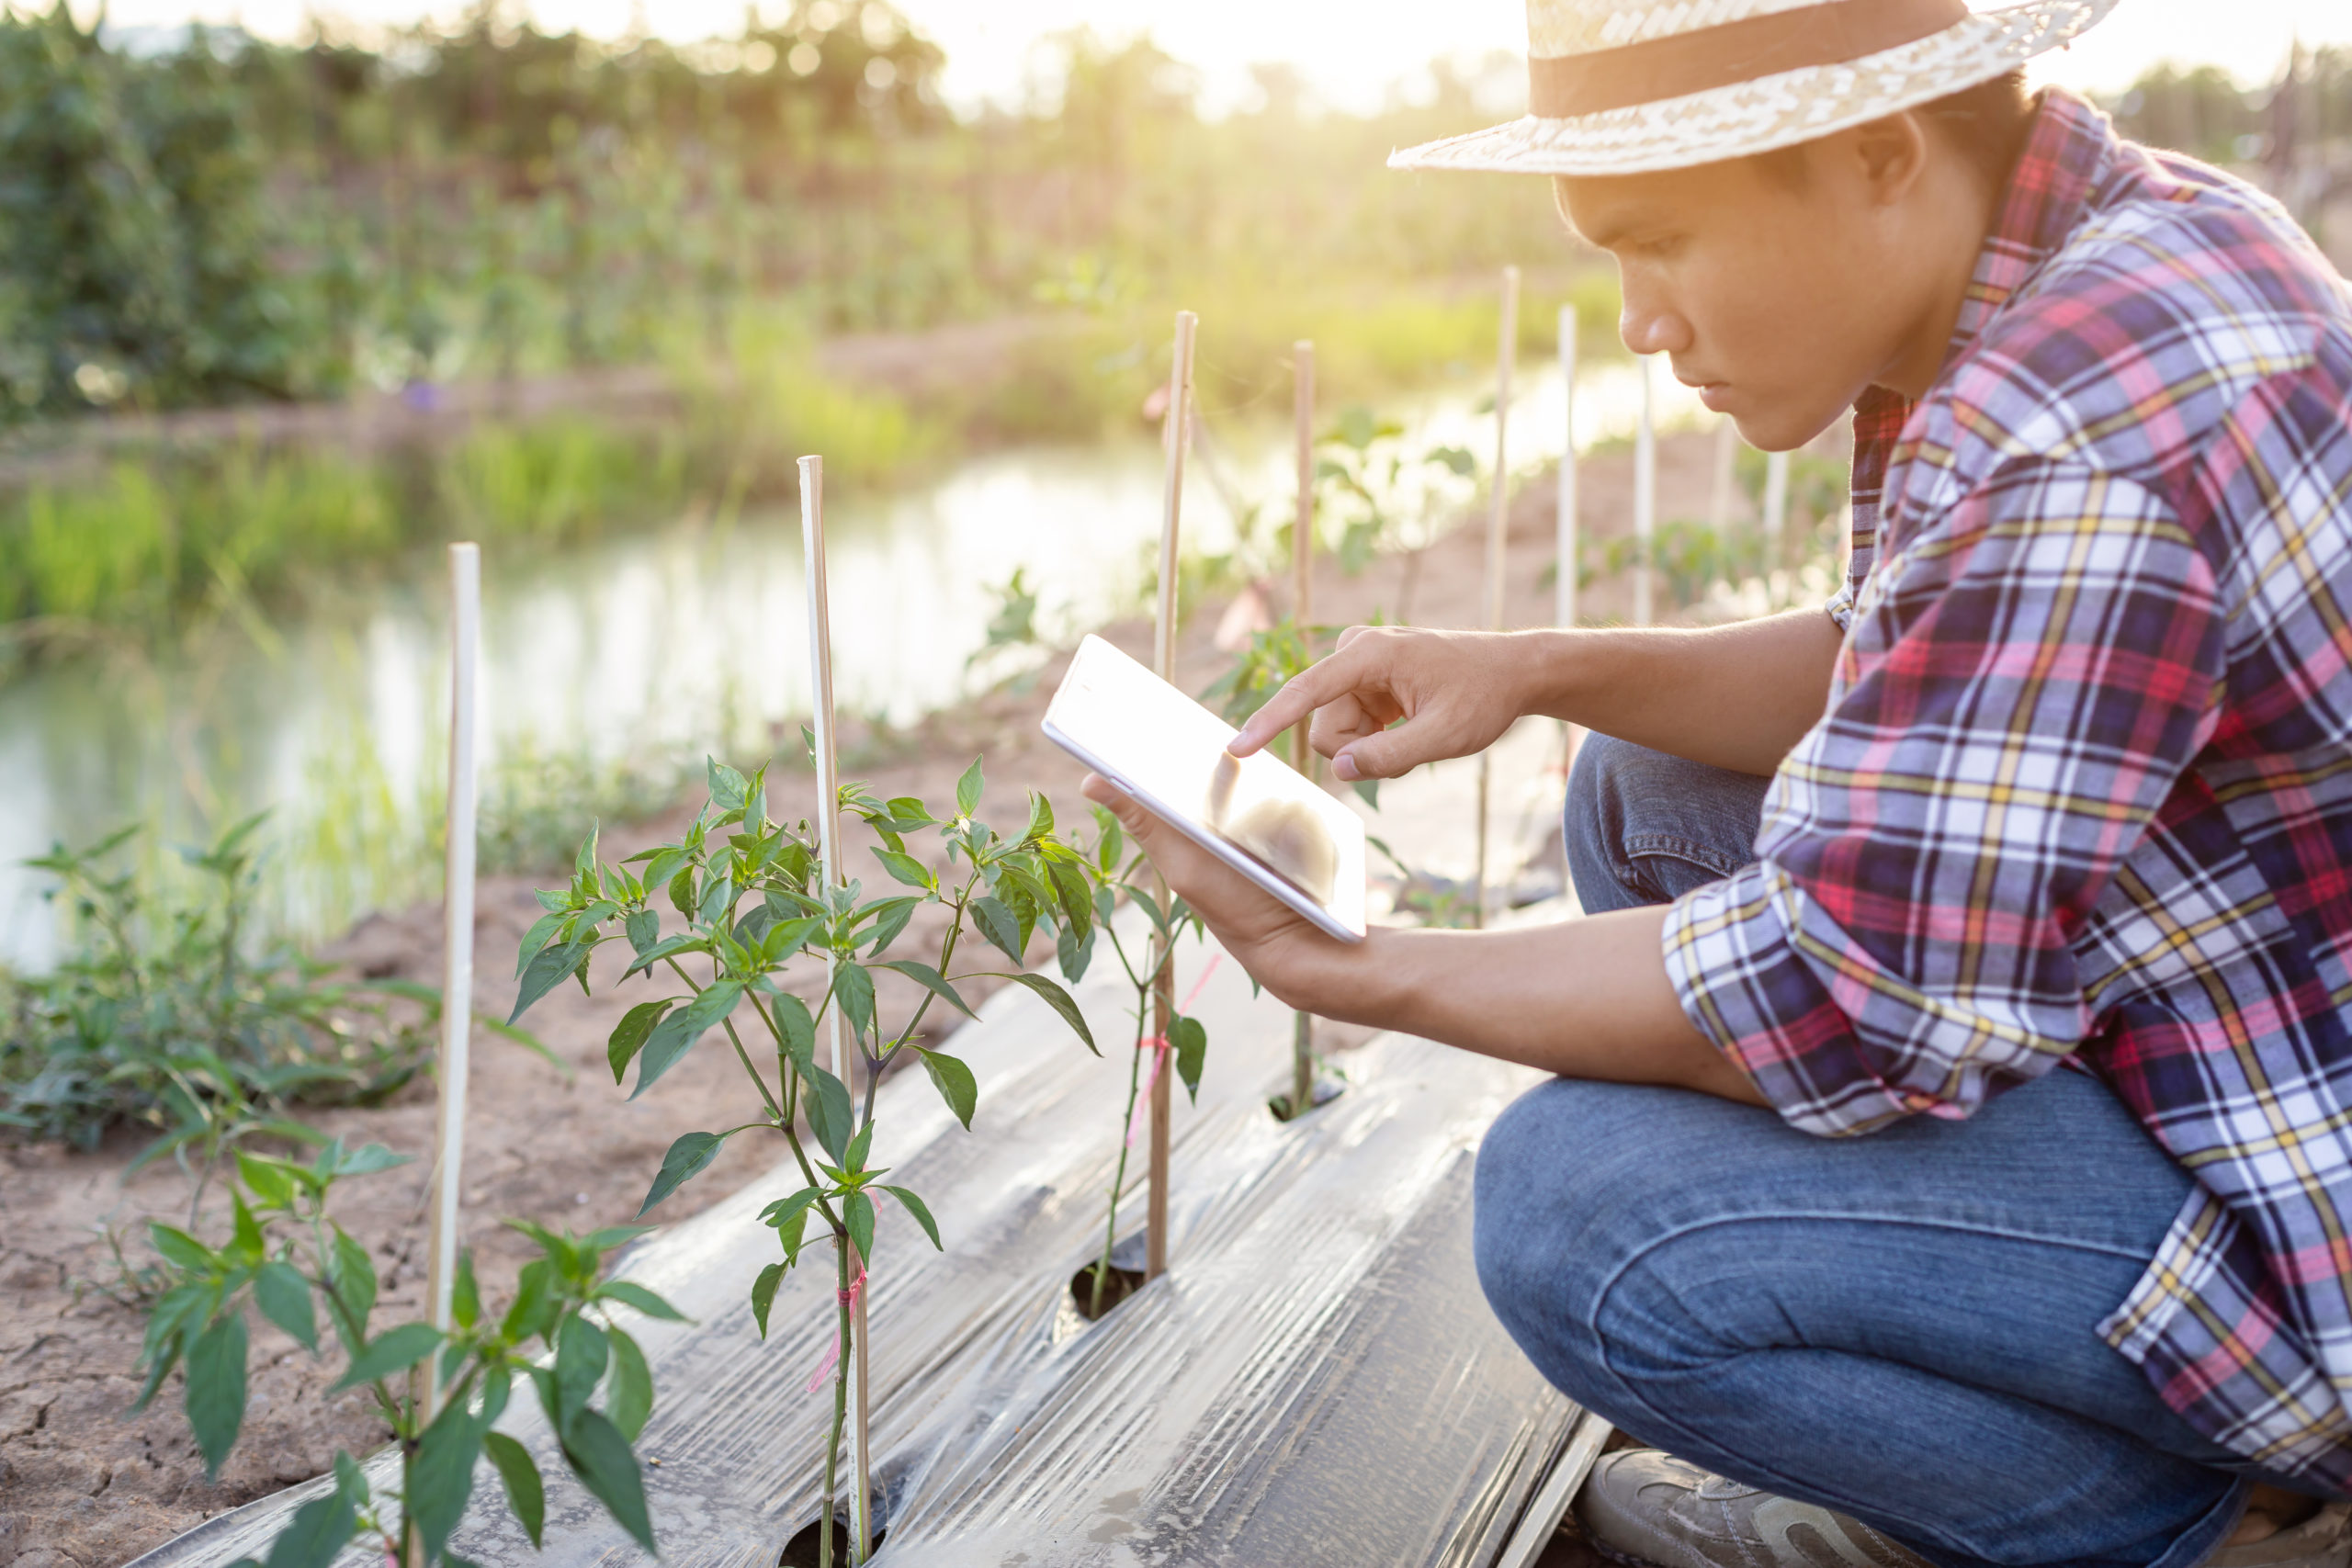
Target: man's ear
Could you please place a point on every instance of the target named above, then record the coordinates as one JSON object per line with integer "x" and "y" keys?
{"x": 1892, "y": 154}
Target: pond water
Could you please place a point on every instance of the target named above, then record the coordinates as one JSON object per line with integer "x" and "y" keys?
{"x": 645, "y": 644}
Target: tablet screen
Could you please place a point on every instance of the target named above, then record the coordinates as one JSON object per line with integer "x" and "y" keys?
{"x": 1257, "y": 813}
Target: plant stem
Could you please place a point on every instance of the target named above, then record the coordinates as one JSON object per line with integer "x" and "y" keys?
{"x": 1119, "y": 1179}
{"x": 740, "y": 1054}
{"x": 840, "y": 1402}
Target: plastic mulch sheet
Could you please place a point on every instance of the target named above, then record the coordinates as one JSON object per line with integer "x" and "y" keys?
{"x": 1316, "y": 1380}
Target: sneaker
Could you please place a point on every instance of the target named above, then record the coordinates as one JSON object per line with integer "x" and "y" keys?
{"x": 1645, "y": 1506}
{"x": 2324, "y": 1540}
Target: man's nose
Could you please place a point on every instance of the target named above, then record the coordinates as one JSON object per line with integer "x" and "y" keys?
{"x": 1647, "y": 329}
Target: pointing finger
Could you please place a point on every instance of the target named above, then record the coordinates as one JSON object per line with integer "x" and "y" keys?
{"x": 1300, "y": 695}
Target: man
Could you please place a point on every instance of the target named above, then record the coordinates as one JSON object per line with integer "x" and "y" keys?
{"x": 2062, "y": 780}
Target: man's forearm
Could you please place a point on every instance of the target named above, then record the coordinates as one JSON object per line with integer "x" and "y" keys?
{"x": 1585, "y": 999}
{"x": 1737, "y": 696}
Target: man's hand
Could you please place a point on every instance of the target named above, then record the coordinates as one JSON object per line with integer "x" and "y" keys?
{"x": 1455, "y": 693}
{"x": 1281, "y": 948}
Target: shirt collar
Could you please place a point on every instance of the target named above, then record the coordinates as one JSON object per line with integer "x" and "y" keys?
{"x": 2067, "y": 151}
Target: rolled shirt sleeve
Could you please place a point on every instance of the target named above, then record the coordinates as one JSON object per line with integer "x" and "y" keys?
{"x": 2024, "y": 679}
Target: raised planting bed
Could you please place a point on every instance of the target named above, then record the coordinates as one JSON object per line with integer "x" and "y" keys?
{"x": 1316, "y": 1380}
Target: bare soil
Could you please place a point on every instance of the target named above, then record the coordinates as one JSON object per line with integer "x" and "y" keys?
{"x": 85, "y": 1485}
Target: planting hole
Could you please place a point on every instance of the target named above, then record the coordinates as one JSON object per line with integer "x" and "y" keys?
{"x": 1325, "y": 1091}
{"x": 1125, "y": 1279}
{"x": 800, "y": 1552}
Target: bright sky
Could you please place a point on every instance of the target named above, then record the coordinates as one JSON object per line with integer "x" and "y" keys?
{"x": 1352, "y": 49}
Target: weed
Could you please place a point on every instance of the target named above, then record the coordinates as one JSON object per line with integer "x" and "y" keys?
{"x": 166, "y": 1016}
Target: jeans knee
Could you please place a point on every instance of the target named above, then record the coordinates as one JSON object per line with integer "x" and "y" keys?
{"x": 1592, "y": 822}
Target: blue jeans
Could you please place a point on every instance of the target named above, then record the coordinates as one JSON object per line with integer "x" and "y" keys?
{"x": 1899, "y": 1327}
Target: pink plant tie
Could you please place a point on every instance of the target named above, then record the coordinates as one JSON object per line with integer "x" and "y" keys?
{"x": 1159, "y": 1047}
{"x": 849, "y": 1299}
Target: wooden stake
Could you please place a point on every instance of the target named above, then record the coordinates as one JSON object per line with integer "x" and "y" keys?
{"x": 1564, "y": 574}
{"x": 457, "y": 950}
{"x": 820, "y": 694}
{"x": 1645, "y": 492}
{"x": 1302, "y": 561}
{"x": 1163, "y": 991}
{"x": 1498, "y": 520}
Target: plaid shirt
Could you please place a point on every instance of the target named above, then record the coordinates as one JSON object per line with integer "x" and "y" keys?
{"x": 2083, "y": 791}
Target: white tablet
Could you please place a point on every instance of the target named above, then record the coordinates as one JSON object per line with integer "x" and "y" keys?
{"x": 1257, "y": 814}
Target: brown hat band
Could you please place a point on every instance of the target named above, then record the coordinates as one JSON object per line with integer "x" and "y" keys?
{"x": 1825, "y": 34}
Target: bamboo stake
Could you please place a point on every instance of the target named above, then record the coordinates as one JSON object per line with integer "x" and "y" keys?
{"x": 456, "y": 952}
{"x": 1163, "y": 990}
{"x": 1302, "y": 560}
{"x": 820, "y": 684}
{"x": 1564, "y": 575}
{"x": 1497, "y": 519}
{"x": 1645, "y": 492}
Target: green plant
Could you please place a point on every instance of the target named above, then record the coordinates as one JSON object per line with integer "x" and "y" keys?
{"x": 1011, "y": 631}
{"x": 752, "y": 898}
{"x": 1111, "y": 875}
{"x": 164, "y": 1015}
{"x": 286, "y": 1258}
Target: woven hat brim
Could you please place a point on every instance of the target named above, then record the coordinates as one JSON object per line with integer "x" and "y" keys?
{"x": 1771, "y": 111}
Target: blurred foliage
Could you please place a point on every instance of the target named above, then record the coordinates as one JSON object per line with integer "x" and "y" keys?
{"x": 224, "y": 218}
{"x": 2202, "y": 111}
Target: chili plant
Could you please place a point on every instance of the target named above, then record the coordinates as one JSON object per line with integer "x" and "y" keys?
{"x": 1114, "y": 874}
{"x": 287, "y": 1259}
{"x": 752, "y": 898}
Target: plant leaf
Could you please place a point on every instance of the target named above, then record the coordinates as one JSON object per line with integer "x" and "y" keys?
{"x": 932, "y": 980}
{"x": 857, "y": 1217}
{"x": 628, "y": 1388}
{"x": 644, "y": 928}
{"x": 728, "y": 788}
{"x": 829, "y": 1114}
{"x": 853, "y": 993}
{"x": 906, "y": 869}
{"x": 352, "y": 1276}
{"x": 394, "y": 1351}
{"x": 688, "y": 1158}
{"x": 548, "y": 971}
{"x": 465, "y": 1293}
{"x": 179, "y": 1247}
{"x": 284, "y": 1297}
{"x": 1059, "y": 1000}
{"x": 954, "y": 1080}
{"x": 1192, "y": 1042}
{"x": 1074, "y": 953}
{"x": 630, "y": 1292}
{"x": 629, "y": 1035}
{"x": 537, "y": 938}
{"x": 676, "y": 1034}
{"x": 582, "y": 1352}
{"x": 525, "y": 1493}
{"x": 603, "y": 1461}
{"x": 913, "y": 1205}
{"x": 968, "y": 790}
{"x": 1000, "y": 925}
{"x": 799, "y": 1030}
{"x": 668, "y": 947}
{"x": 763, "y": 1294}
{"x": 216, "y": 1389}
{"x": 440, "y": 1479}
{"x": 318, "y": 1532}
{"x": 350, "y": 1481}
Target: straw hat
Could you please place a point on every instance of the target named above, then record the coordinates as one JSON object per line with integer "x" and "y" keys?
{"x": 1626, "y": 86}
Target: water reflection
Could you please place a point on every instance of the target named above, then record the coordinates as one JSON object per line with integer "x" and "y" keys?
{"x": 650, "y": 643}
